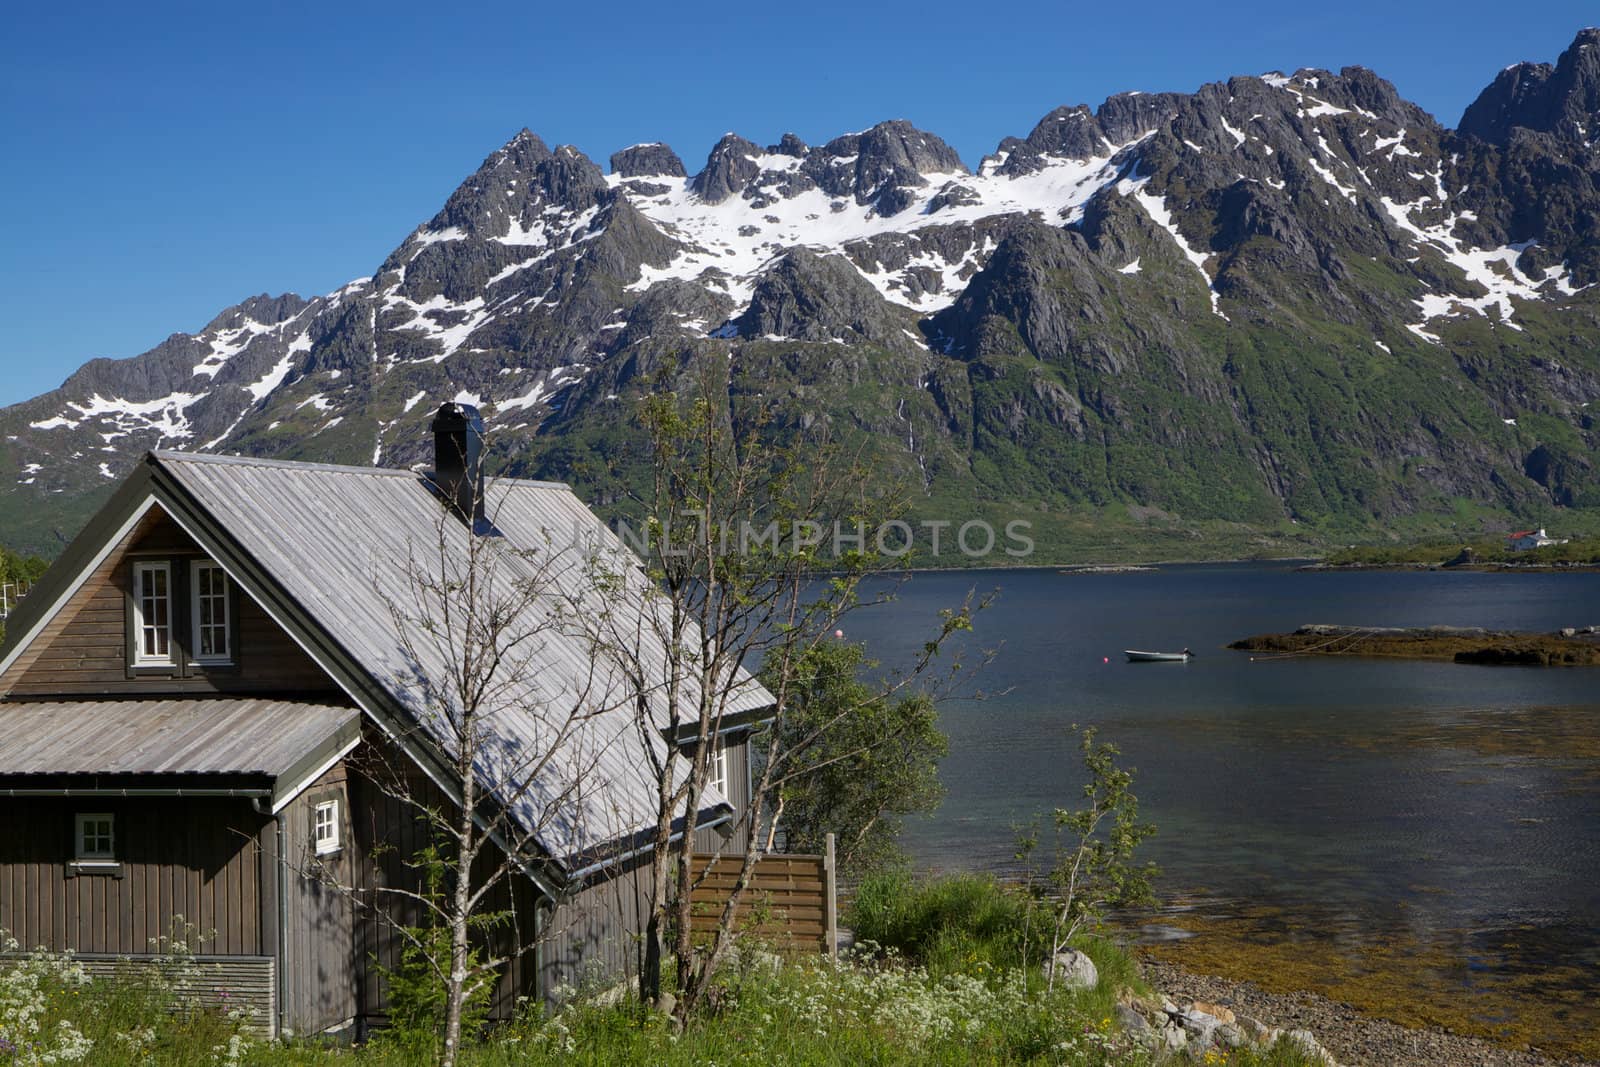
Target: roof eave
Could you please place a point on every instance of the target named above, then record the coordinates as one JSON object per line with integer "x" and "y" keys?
{"x": 251, "y": 785}
{"x": 731, "y": 722}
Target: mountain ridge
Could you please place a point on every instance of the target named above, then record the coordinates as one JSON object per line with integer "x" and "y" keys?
{"x": 1279, "y": 300}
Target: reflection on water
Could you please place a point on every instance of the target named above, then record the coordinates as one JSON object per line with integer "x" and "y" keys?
{"x": 1442, "y": 811}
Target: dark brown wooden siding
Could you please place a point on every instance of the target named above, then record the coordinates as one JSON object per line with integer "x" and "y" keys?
{"x": 84, "y": 650}
{"x": 590, "y": 938}
{"x": 190, "y": 860}
{"x": 737, "y": 831}
{"x": 320, "y": 948}
{"x": 58, "y": 622}
{"x": 386, "y": 837}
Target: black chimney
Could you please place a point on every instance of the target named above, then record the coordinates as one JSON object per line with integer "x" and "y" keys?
{"x": 458, "y": 459}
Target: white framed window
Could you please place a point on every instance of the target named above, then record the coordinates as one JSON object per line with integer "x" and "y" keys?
{"x": 152, "y": 613}
{"x": 95, "y": 837}
{"x": 717, "y": 778}
{"x": 325, "y": 827}
{"x": 208, "y": 612}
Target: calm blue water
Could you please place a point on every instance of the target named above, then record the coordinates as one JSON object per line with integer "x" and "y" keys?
{"x": 1437, "y": 795}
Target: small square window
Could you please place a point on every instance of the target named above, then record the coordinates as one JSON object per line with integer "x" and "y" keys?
{"x": 95, "y": 837}
{"x": 325, "y": 827}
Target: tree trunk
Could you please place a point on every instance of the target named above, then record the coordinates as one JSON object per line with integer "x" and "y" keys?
{"x": 456, "y": 986}
{"x": 689, "y": 978}
{"x": 460, "y": 916}
{"x": 654, "y": 950}
{"x": 655, "y": 944}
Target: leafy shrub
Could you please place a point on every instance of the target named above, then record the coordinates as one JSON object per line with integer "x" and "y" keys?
{"x": 947, "y": 923}
{"x": 419, "y": 990}
{"x": 419, "y": 997}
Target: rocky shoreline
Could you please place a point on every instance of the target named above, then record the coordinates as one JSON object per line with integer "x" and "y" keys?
{"x": 1572, "y": 646}
{"x": 1495, "y": 567}
{"x": 1351, "y": 1039}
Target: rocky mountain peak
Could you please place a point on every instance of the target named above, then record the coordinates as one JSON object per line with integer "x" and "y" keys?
{"x": 789, "y": 145}
{"x": 1129, "y": 116}
{"x": 521, "y": 153}
{"x": 1067, "y": 132}
{"x": 819, "y": 298}
{"x": 729, "y": 168}
{"x": 1563, "y": 99}
{"x": 264, "y": 310}
{"x": 570, "y": 178}
{"x": 898, "y": 144}
{"x": 513, "y": 188}
{"x": 880, "y": 166}
{"x": 647, "y": 161}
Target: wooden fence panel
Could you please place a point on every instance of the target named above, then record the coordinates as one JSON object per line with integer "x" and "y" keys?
{"x": 786, "y": 904}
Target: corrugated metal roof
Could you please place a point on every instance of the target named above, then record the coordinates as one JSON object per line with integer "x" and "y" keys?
{"x": 177, "y": 736}
{"x": 346, "y": 542}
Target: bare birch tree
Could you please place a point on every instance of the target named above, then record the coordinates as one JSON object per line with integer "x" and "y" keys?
{"x": 474, "y": 616}
{"x": 754, "y": 552}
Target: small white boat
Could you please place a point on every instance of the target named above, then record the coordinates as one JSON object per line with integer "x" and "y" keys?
{"x": 1135, "y": 656}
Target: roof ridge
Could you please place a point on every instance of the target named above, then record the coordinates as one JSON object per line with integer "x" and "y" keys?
{"x": 167, "y": 455}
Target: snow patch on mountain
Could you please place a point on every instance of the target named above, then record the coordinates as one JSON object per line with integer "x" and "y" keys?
{"x": 226, "y": 344}
{"x": 450, "y": 324}
{"x": 731, "y": 243}
{"x": 425, "y": 237}
{"x": 1495, "y": 270}
{"x": 1332, "y": 179}
{"x": 1156, "y": 208}
{"x": 538, "y": 231}
{"x": 164, "y": 416}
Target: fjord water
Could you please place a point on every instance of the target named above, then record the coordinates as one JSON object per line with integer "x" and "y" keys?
{"x": 1455, "y": 806}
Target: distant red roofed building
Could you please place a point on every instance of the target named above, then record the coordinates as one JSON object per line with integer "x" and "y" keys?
{"x": 1524, "y": 540}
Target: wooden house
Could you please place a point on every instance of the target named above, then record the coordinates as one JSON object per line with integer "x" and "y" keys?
{"x": 1528, "y": 540}
{"x": 187, "y": 696}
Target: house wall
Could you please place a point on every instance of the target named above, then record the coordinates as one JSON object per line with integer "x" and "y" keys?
{"x": 588, "y": 938}
{"x": 593, "y": 939}
{"x": 83, "y": 650}
{"x": 737, "y": 836}
{"x": 319, "y": 958}
{"x": 387, "y": 834}
{"x": 194, "y": 859}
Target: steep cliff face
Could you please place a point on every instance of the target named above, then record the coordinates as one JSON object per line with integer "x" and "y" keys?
{"x": 1285, "y": 297}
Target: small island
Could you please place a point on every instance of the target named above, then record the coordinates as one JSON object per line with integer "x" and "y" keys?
{"x": 1108, "y": 568}
{"x": 1570, "y": 647}
{"x": 1522, "y": 552}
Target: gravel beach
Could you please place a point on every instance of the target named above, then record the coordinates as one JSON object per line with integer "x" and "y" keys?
{"x": 1356, "y": 1040}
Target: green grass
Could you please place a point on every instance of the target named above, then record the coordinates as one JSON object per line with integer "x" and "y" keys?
{"x": 942, "y": 987}
{"x": 812, "y": 1013}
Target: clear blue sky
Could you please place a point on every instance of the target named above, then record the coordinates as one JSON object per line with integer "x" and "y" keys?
{"x": 160, "y": 162}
